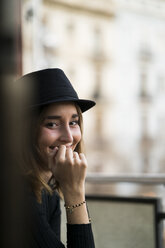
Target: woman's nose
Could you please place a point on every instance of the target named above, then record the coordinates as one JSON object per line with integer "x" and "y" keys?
{"x": 66, "y": 135}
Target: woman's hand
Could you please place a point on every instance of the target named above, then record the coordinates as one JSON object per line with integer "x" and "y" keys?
{"x": 69, "y": 169}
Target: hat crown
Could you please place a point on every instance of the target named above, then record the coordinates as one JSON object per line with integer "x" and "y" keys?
{"x": 52, "y": 85}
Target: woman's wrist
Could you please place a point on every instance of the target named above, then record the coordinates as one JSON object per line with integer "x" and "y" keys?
{"x": 70, "y": 208}
{"x": 77, "y": 213}
{"x": 72, "y": 197}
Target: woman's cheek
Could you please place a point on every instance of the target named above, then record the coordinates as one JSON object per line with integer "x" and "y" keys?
{"x": 47, "y": 137}
{"x": 77, "y": 137}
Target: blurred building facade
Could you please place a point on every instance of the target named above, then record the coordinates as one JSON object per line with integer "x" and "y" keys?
{"x": 113, "y": 52}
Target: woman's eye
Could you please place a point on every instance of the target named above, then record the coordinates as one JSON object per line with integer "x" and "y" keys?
{"x": 74, "y": 123}
{"x": 51, "y": 125}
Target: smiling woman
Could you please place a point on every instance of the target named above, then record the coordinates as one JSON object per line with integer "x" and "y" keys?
{"x": 60, "y": 126}
{"x": 54, "y": 161}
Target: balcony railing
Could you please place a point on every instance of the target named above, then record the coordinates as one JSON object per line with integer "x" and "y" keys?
{"x": 126, "y": 178}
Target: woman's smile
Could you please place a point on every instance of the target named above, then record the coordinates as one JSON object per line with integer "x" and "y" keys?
{"x": 60, "y": 126}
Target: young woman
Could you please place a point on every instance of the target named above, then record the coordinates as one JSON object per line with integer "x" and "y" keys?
{"x": 53, "y": 161}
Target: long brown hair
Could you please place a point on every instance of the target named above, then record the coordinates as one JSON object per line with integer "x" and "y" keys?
{"x": 33, "y": 163}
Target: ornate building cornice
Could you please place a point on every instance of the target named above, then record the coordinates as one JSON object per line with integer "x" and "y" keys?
{"x": 99, "y": 8}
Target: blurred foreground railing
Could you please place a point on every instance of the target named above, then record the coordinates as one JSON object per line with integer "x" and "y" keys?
{"x": 126, "y": 178}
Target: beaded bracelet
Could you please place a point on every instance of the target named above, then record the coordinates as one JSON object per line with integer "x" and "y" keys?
{"x": 71, "y": 208}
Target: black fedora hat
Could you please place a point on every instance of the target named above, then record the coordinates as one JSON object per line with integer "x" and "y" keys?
{"x": 52, "y": 85}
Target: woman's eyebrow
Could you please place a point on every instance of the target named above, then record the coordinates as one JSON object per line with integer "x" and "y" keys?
{"x": 75, "y": 116}
{"x": 52, "y": 117}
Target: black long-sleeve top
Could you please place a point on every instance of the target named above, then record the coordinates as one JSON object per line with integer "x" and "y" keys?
{"x": 46, "y": 222}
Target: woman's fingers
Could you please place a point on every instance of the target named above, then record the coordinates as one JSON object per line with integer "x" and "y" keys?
{"x": 60, "y": 157}
{"x": 69, "y": 155}
{"x": 51, "y": 155}
{"x": 76, "y": 157}
{"x": 66, "y": 157}
{"x": 83, "y": 159}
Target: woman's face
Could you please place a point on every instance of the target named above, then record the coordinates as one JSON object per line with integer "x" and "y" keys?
{"x": 60, "y": 126}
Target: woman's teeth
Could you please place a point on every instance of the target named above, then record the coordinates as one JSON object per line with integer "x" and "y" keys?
{"x": 52, "y": 147}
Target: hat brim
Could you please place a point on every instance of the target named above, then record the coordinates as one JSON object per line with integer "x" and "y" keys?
{"x": 82, "y": 103}
{"x": 85, "y": 104}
